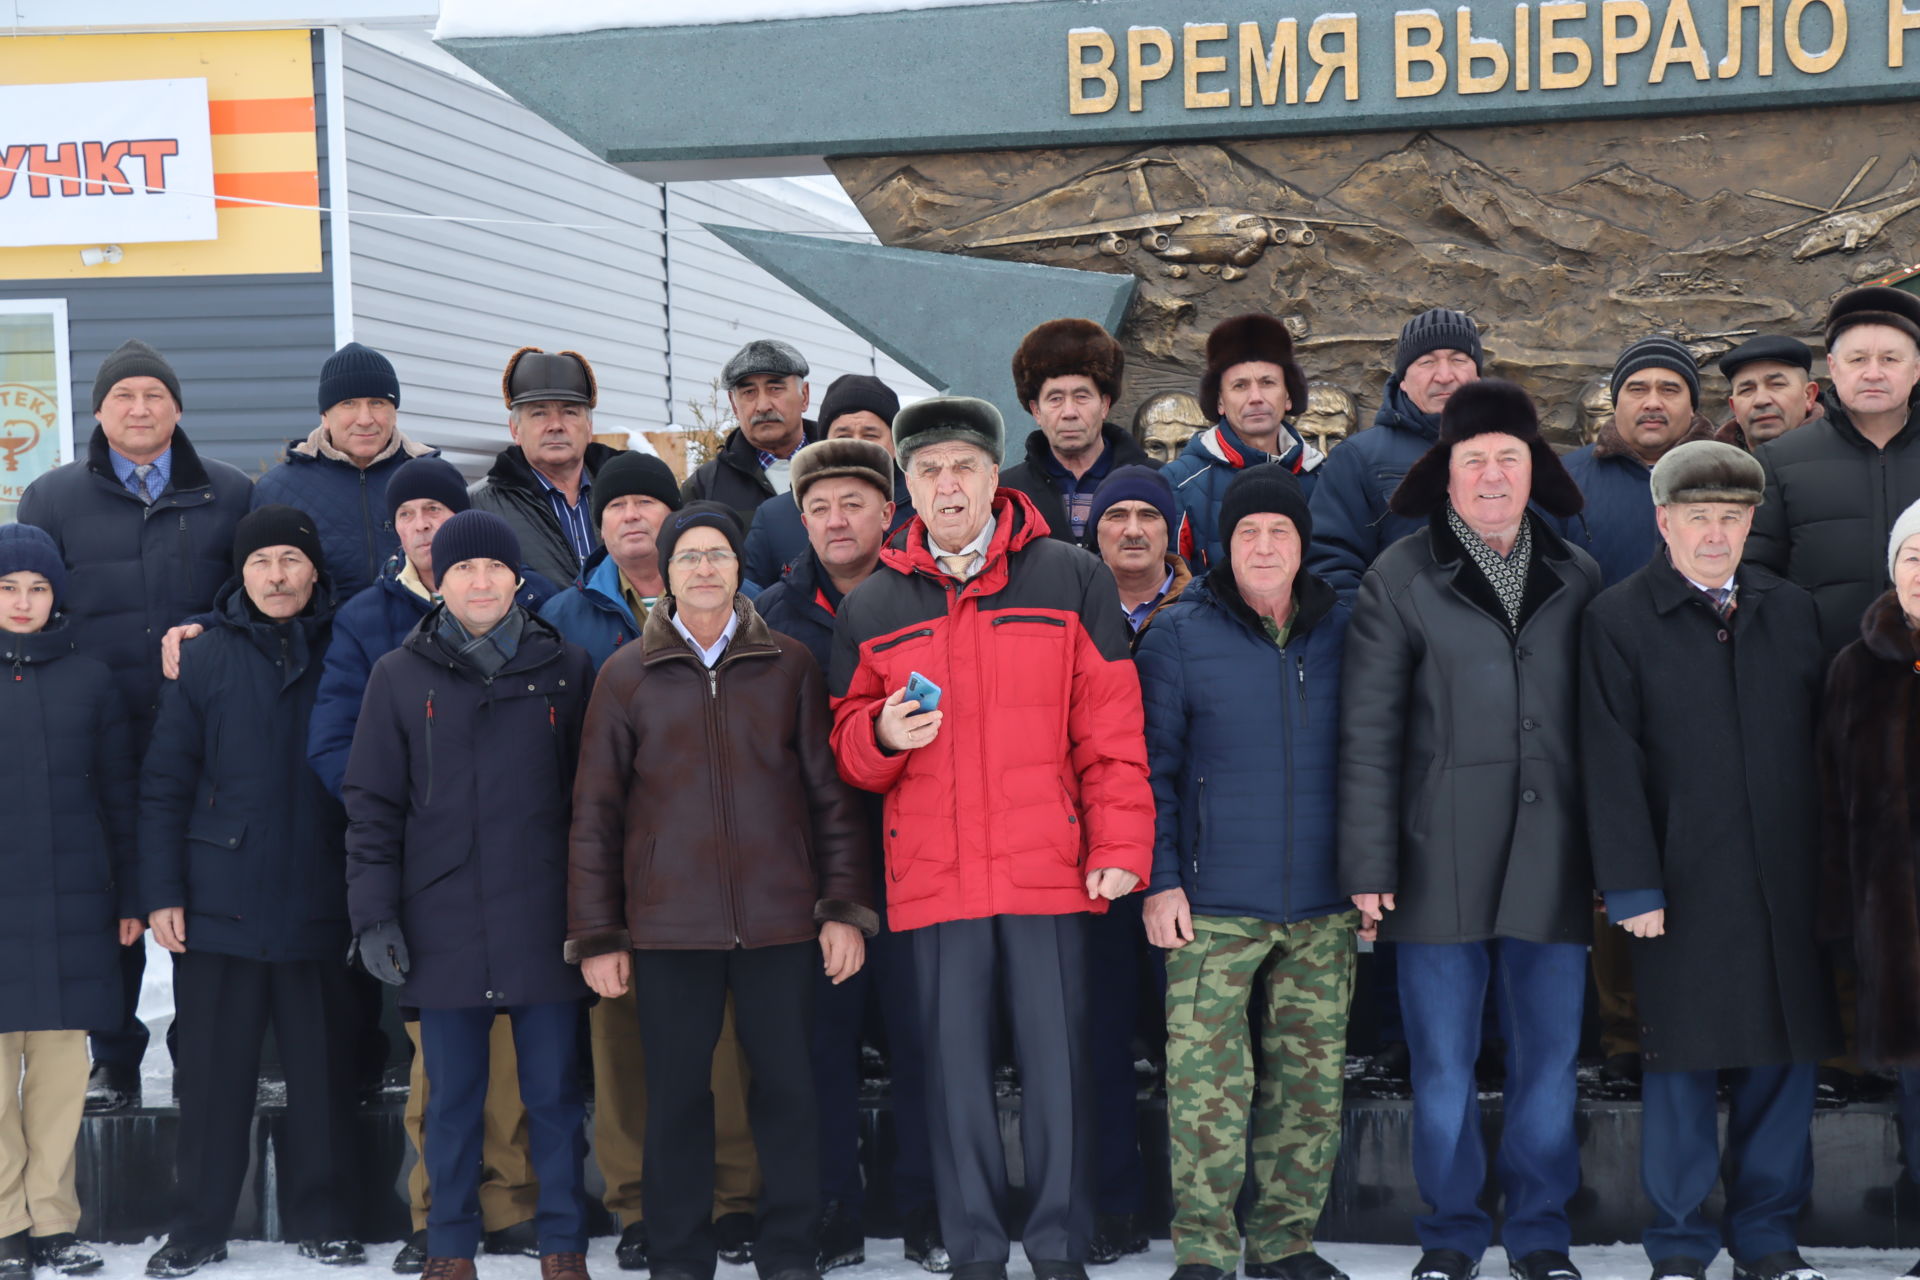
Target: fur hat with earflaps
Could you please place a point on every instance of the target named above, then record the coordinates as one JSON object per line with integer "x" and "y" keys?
{"x": 1241, "y": 340}
{"x": 1708, "y": 471}
{"x": 1481, "y": 408}
{"x": 1063, "y": 349}
{"x": 533, "y": 374}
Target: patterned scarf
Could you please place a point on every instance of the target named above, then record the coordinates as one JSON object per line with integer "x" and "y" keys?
{"x": 1507, "y": 575}
{"x": 486, "y": 654}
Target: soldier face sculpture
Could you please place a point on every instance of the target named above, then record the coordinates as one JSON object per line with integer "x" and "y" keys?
{"x": 1596, "y": 408}
{"x": 1164, "y": 424}
{"x": 1329, "y": 418}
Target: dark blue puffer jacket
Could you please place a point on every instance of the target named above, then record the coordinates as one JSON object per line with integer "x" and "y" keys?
{"x": 367, "y": 628}
{"x": 1243, "y": 742}
{"x": 593, "y": 613}
{"x": 234, "y": 826}
{"x": 348, "y": 504}
{"x": 797, "y": 606}
{"x": 777, "y": 537}
{"x": 1201, "y": 474}
{"x": 1351, "y": 523}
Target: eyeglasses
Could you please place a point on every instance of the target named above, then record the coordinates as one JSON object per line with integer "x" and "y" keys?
{"x": 718, "y": 557}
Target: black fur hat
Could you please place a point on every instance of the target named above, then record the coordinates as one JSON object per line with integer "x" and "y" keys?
{"x": 1479, "y": 408}
{"x": 1247, "y": 338}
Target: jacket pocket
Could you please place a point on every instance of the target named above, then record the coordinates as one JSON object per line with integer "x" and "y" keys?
{"x": 1073, "y": 851}
{"x": 1033, "y": 659}
{"x": 216, "y": 866}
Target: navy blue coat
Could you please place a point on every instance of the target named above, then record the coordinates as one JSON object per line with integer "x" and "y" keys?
{"x": 1617, "y": 527}
{"x": 797, "y": 606}
{"x": 347, "y": 503}
{"x": 1243, "y": 744}
{"x": 593, "y": 613}
{"x": 777, "y": 537}
{"x": 138, "y": 569}
{"x": 1201, "y": 474}
{"x": 1351, "y": 523}
{"x": 234, "y": 826}
{"x": 67, "y": 864}
{"x": 459, "y": 793}
{"x": 368, "y": 627}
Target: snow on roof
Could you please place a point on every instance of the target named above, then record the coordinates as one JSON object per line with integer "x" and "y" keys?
{"x": 468, "y": 18}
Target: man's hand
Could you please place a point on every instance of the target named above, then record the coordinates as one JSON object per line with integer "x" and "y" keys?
{"x": 170, "y": 647}
{"x": 1650, "y": 924}
{"x": 170, "y": 928}
{"x": 130, "y": 930}
{"x": 842, "y": 950}
{"x": 1169, "y": 919}
{"x": 1110, "y": 883}
{"x": 608, "y": 974}
{"x": 1373, "y": 908}
{"x": 901, "y": 726}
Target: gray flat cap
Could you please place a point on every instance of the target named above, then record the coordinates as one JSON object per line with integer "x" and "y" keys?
{"x": 763, "y": 355}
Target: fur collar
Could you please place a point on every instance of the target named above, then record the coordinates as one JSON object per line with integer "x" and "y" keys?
{"x": 1608, "y": 443}
{"x": 1887, "y": 634}
{"x": 317, "y": 447}
{"x": 1543, "y": 579}
{"x": 660, "y": 639}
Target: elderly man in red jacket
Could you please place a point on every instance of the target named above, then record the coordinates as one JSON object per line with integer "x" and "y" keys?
{"x": 1005, "y": 828}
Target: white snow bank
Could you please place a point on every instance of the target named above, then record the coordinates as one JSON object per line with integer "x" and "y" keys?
{"x": 464, "y": 18}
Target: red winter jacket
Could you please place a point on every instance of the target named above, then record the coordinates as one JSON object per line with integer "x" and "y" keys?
{"x": 1039, "y": 772}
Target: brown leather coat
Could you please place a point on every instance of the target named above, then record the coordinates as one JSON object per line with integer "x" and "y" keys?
{"x": 708, "y": 812}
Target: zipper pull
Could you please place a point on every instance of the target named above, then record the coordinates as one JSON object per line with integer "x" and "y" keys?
{"x": 713, "y": 683}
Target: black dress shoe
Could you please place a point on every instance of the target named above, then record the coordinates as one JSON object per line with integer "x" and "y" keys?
{"x": 64, "y": 1253}
{"x": 412, "y": 1258}
{"x": 334, "y": 1253}
{"x": 111, "y": 1089}
{"x": 1051, "y": 1270}
{"x": 1445, "y": 1264}
{"x": 520, "y": 1238}
{"x": 631, "y": 1252}
{"x": 1543, "y": 1264}
{"x": 1305, "y": 1265}
{"x": 16, "y": 1257}
{"x": 839, "y": 1237}
{"x": 920, "y": 1239}
{"x": 1199, "y": 1271}
{"x": 1115, "y": 1235}
{"x": 176, "y": 1258}
{"x": 733, "y": 1238}
{"x": 1914, "y": 1270}
{"x": 1787, "y": 1264}
{"x": 1679, "y": 1267}
{"x": 980, "y": 1271}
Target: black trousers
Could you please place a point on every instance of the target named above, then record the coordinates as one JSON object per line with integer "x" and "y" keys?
{"x": 1040, "y": 963}
{"x": 680, "y": 997}
{"x": 222, "y": 1007}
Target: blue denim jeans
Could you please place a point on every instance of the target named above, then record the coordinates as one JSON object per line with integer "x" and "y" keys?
{"x": 1538, "y": 987}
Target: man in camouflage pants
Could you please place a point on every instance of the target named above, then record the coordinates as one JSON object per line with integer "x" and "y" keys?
{"x": 1241, "y": 681}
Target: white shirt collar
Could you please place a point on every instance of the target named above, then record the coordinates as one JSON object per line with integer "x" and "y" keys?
{"x": 708, "y": 656}
{"x": 977, "y": 548}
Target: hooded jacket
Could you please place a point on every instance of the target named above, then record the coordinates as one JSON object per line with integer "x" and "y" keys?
{"x": 137, "y": 569}
{"x": 458, "y": 794}
{"x": 1242, "y": 739}
{"x": 234, "y": 826}
{"x": 735, "y": 477}
{"x": 1204, "y": 469}
{"x": 348, "y": 503}
{"x": 1035, "y": 478}
{"x": 1616, "y": 528}
{"x": 708, "y": 813}
{"x": 68, "y": 865}
{"x": 593, "y": 612}
{"x": 1831, "y": 501}
{"x": 1039, "y": 773}
{"x": 512, "y": 492}
{"x": 1352, "y": 524}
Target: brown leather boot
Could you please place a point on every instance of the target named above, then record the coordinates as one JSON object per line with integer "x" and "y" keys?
{"x": 564, "y": 1266}
{"x": 448, "y": 1269}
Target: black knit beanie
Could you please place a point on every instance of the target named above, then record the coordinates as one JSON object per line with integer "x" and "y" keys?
{"x": 711, "y": 515}
{"x": 852, "y": 392}
{"x": 633, "y": 473}
{"x": 355, "y": 372}
{"x": 1269, "y": 487}
{"x": 276, "y": 525}
{"x": 1441, "y": 329}
{"x": 25, "y": 548}
{"x": 431, "y": 477}
{"x": 474, "y": 535}
{"x": 134, "y": 359}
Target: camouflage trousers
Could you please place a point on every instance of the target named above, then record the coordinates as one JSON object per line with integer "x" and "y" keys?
{"x": 1294, "y": 982}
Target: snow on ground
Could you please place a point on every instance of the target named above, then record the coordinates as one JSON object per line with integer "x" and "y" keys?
{"x": 252, "y": 1260}
{"x": 463, "y": 18}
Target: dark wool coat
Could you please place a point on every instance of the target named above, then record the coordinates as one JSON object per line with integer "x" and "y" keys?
{"x": 1351, "y": 522}
{"x": 1242, "y": 739}
{"x": 138, "y": 569}
{"x": 367, "y": 628}
{"x": 1033, "y": 478}
{"x": 778, "y": 538}
{"x": 234, "y": 826}
{"x": 735, "y": 477}
{"x": 459, "y": 794}
{"x": 1831, "y": 502}
{"x": 1697, "y": 743}
{"x": 1459, "y": 788}
{"x": 512, "y": 492}
{"x": 348, "y": 503}
{"x": 68, "y": 870}
{"x": 1870, "y": 878}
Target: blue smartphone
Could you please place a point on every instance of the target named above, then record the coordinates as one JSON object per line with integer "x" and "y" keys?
{"x": 923, "y": 691}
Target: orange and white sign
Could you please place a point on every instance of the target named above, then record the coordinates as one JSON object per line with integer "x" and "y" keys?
{"x": 119, "y": 161}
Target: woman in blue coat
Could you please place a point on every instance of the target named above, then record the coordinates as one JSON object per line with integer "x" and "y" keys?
{"x": 68, "y": 769}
